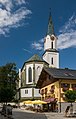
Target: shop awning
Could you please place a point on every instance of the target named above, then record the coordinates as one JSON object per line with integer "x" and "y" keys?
{"x": 49, "y": 100}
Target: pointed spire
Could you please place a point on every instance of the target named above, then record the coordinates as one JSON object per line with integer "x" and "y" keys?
{"x": 50, "y": 26}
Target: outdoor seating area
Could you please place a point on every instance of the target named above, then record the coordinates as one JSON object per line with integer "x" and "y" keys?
{"x": 36, "y": 105}
{"x": 35, "y": 109}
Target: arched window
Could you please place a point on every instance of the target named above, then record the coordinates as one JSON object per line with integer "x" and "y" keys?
{"x": 29, "y": 74}
{"x": 52, "y": 60}
{"x": 52, "y": 45}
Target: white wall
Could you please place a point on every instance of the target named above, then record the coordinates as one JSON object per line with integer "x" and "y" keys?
{"x": 47, "y": 57}
{"x": 38, "y": 69}
{"x": 36, "y": 93}
{"x": 26, "y": 95}
{"x": 47, "y": 43}
{"x": 51, "y": 54}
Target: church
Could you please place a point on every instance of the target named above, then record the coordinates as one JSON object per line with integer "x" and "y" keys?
{"x": 42, "y": 78}
{"x": 31, "y": 69}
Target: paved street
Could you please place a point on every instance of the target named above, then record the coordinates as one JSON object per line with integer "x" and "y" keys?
{"x": 23, "y": 114}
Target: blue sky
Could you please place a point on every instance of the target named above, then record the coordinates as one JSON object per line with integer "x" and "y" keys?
{"x": 23, "y": 25}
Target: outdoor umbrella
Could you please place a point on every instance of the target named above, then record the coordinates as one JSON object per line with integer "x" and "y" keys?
{"x": 38, "y": 102}
{"x": 27, "y": 102}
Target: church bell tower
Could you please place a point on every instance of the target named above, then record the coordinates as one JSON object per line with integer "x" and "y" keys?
{"x": 51, "y": 54}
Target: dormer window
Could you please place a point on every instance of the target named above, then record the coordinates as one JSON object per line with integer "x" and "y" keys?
{"x": 68, "y": 74}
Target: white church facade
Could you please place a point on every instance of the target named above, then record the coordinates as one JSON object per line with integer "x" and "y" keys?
{"x": 31, "y": 69}
{"x": 28, "y": 77}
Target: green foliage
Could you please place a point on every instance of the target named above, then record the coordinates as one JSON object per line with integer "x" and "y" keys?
{"x": 8, "y": 77}
{"x": 6, "y": 94}
{"x": 70, "y": 95}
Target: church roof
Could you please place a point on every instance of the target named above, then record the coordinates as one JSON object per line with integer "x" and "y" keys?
{"x": 35, "y": 58}
{"x": 50, "y": 26}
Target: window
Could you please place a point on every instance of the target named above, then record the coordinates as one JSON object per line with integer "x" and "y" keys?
{"x": 26, "y": 91}
{"x": 74, "y": 86}
{"x": 39, "y": 90}
{"x": 52, "y": 89}
{"x": 42, "y": 92}
{"x": 52, "y": 60}
{"x": 52, "y": 45}
{"x": 45, "y": 90}
{"x": 29, "y": 74}
{"x": 65, "y": 87}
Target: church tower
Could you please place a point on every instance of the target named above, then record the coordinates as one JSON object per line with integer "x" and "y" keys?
{"x": 51, "y": 54}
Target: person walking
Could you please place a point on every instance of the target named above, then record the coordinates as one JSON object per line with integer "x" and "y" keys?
{"x": 66, "y": 111}
{"x": 9, "y": 110}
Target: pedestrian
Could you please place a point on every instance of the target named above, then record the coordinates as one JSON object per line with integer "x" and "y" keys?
{"x": 9, "y": 110}
{"x": 71, "y": 109}
{"x": 38, "y": 108}
{"x": 66, "y": 111}
{"x": 3, "y": 112}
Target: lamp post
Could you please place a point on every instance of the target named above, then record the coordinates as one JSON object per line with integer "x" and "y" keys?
{"x": 60, "y": 95}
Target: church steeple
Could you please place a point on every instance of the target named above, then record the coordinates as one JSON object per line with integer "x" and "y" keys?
{"x": 51, "y": 55}
{"x": 50, "y": 26}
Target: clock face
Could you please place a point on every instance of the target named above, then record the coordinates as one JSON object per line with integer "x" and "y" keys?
{"x": 52, "y": 38}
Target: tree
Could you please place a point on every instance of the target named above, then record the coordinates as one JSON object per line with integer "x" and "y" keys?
{"x": 8, "y": 77}
{"x": 7, "y": 94}
{"x": 70, "y": 96}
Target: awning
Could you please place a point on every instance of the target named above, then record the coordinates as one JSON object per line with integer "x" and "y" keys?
{"x": 49, "y": 100}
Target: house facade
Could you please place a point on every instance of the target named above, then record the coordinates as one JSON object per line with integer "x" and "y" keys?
{"x": 53, "y": 83}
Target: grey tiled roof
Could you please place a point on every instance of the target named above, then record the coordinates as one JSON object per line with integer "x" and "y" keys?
{"x": 61, "y": 73}
{"x": 35, "y": 58}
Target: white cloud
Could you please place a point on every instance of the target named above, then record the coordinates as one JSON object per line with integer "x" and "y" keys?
{"x": 42, "y": 40}
{"x": 20, "y": 1}
{"x": 37, "y": 46}
{"x": 67, "y": 36}
{"x": 9, "y": 17}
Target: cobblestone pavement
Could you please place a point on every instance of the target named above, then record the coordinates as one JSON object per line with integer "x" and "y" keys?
{"x": 24, "y": 114}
